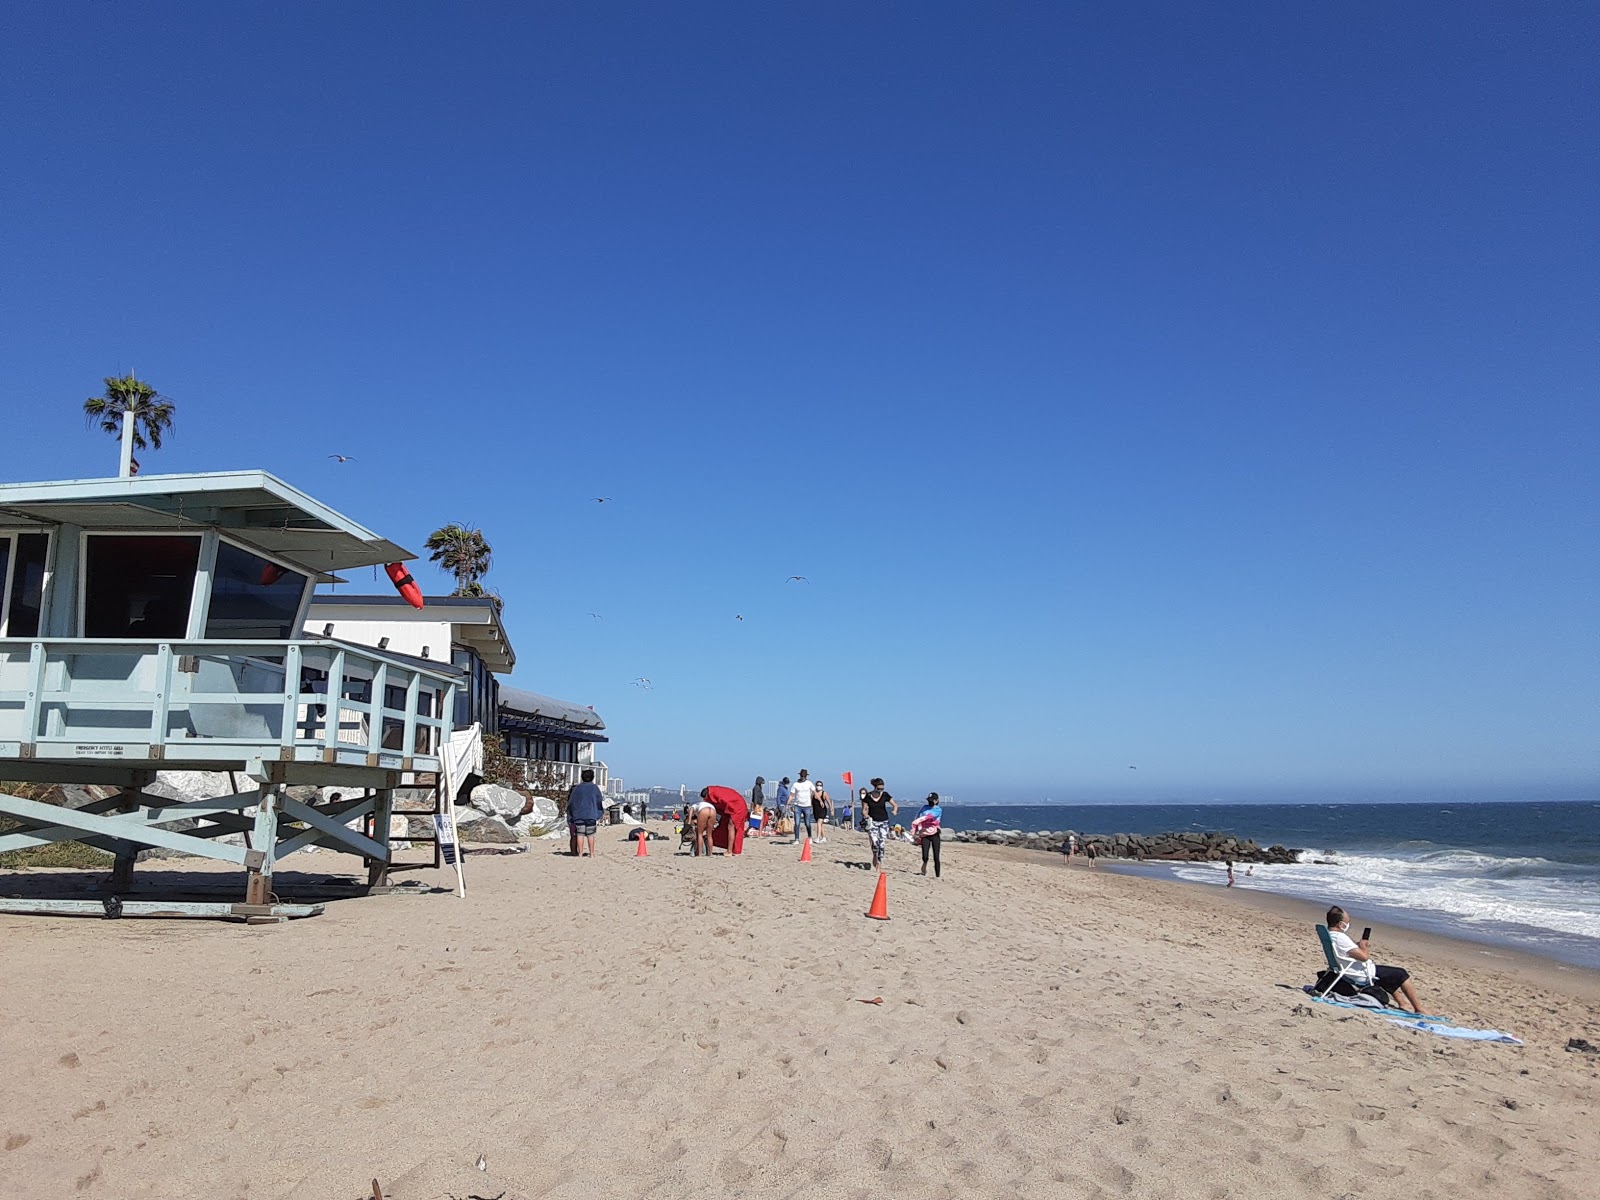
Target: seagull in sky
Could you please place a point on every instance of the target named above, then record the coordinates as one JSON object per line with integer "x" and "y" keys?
{"x": 599, "y": 499}
{"x": 343, "y": 457}
{"x": 797, "y": 579}
{"x": 597, "y": 616}
{"x": 642, "y": 682}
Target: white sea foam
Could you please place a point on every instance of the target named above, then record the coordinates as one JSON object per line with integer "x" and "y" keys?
{"x": 1456, "y": 885}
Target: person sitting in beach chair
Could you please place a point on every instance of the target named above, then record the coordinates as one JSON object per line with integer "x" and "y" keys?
{"x": 1351, "y": 969}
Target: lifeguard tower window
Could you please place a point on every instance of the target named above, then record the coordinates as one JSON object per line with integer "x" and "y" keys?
{"x": 252, "y": 598}
{"x": 138, "y": 587}
{"x": 22, "y": 563}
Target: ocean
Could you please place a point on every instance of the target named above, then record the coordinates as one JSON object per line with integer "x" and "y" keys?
{"x": 1523, "y": 875}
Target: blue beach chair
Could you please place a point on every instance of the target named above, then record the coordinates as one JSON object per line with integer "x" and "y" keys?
{"x": 1335, "y": 972}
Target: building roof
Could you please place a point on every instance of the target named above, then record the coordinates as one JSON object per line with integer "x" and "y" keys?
{"x": 253, "y": 507}
{"x": 474, "y": 620}
{"x": 536, "y": 707}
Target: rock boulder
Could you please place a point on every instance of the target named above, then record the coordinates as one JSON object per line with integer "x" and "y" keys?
{"x": 498, "y": 801}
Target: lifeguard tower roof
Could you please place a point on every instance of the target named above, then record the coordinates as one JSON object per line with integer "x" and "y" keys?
{"x": 253, "y": 507}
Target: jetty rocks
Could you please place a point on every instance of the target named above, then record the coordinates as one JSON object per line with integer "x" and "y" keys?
{"x": 1158, "y": 847}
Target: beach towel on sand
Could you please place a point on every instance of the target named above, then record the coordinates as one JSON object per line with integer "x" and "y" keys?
{"x": 1458, "y": 1031}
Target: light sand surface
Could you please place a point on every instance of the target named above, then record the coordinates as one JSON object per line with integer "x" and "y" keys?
{"x": 674, "y": 1027}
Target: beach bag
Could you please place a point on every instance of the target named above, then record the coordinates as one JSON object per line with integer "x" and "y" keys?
{"x": 1370, "y": 996}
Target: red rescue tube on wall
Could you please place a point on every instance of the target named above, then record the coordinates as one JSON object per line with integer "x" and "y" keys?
{"x": 404, "y": 584}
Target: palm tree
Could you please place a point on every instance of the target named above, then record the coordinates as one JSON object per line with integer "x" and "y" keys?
{"x": 461, "y": 551}
{"x": 152, "y": 412}
{"x": 477, "y": 589}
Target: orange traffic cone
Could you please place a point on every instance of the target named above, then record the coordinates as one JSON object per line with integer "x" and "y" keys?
{"x": 805, "y": 853}
{"x": 880, "y": 899}
{"x": 641, "y": 852}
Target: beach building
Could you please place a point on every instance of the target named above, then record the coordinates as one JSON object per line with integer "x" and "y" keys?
{"x": 158, "y": 622}
{"x": 554, "y": 740}
{"x": 464, "y": 631}
{"x": 550, "y": 741}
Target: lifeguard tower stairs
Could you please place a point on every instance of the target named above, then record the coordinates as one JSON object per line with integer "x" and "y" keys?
{"x": 155, "y": 623}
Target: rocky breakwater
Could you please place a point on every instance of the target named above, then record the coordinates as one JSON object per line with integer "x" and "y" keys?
{"x": 1141, "y": 847}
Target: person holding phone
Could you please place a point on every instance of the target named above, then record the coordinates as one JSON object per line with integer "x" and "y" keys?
{"x": 1363, "y": 970}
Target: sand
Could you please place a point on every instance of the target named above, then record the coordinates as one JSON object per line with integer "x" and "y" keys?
{"x": 673, "y": 1027}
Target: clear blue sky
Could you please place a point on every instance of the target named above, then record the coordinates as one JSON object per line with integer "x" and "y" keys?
{"x": 1209, "y": 390}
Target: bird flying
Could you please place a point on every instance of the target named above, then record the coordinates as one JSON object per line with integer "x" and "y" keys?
{"x": 642, "y": 682}
{"x": 599, "y": 499}
{"x": 343, "y": 457}
{"x": 738, "y": 616}
{"x": 597, "y": 616}
{"x": 797, "y": 579}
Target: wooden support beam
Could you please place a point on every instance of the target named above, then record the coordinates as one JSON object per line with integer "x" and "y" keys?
{"x": 263, "y": 853}
{"x": 378, "y": 868}
{"x": 334, "y": 829}
{"x": 344, "y": 811}
{"x": 129, "y": 827}
{"x": 250, "y": 914}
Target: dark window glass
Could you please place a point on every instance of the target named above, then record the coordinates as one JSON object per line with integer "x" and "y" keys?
{"x": 27, "y": 585}
{"x": 252, "y": 598}
{"x": 23, "y": 581}
{"x": 138, "y": 587}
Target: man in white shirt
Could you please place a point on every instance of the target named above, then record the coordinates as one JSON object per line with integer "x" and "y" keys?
{"x": 1362, "y": 969}
{"x": 800, "y": 799}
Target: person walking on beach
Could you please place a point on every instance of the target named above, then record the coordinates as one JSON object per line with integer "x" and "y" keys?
{"x": 925, "y": 829}
{"x": 1230, "y": 872}
{"x": 1363, "y": 971}
{"x": 878, "y": 805}
{"x": 861, "y": 810}
{"x": 821, "y": 810}
{"x": 800, "y": 797}
{"x": 780, "y": 806}
{"x": 1091, "y": 852}
{"x": 586, "y": 804}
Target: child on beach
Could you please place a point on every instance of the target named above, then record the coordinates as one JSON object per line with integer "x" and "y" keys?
{"x": 925, "y": 830}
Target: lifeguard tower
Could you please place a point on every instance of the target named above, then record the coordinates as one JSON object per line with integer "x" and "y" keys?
{"x": 157, "y": 623}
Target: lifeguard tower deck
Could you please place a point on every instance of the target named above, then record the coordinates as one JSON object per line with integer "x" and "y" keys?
{"x": 155, "y": 623}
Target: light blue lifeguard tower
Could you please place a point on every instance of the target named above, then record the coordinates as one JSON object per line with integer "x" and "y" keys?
{"x": 157, "y": 623}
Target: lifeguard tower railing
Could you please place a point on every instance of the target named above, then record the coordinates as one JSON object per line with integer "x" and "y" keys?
{"x": 319, "y": 711}
{"x": 219, "y": 705}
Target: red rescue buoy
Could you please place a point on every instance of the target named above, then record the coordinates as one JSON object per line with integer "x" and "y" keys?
{"x": 404, "y": 584}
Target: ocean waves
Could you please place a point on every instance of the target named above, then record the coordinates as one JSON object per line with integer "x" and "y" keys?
{"x": 1536, "y": 895}
{"x": 1518, "y": 874}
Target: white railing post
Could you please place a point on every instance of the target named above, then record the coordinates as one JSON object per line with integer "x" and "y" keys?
{"x": 334, "y": 710}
